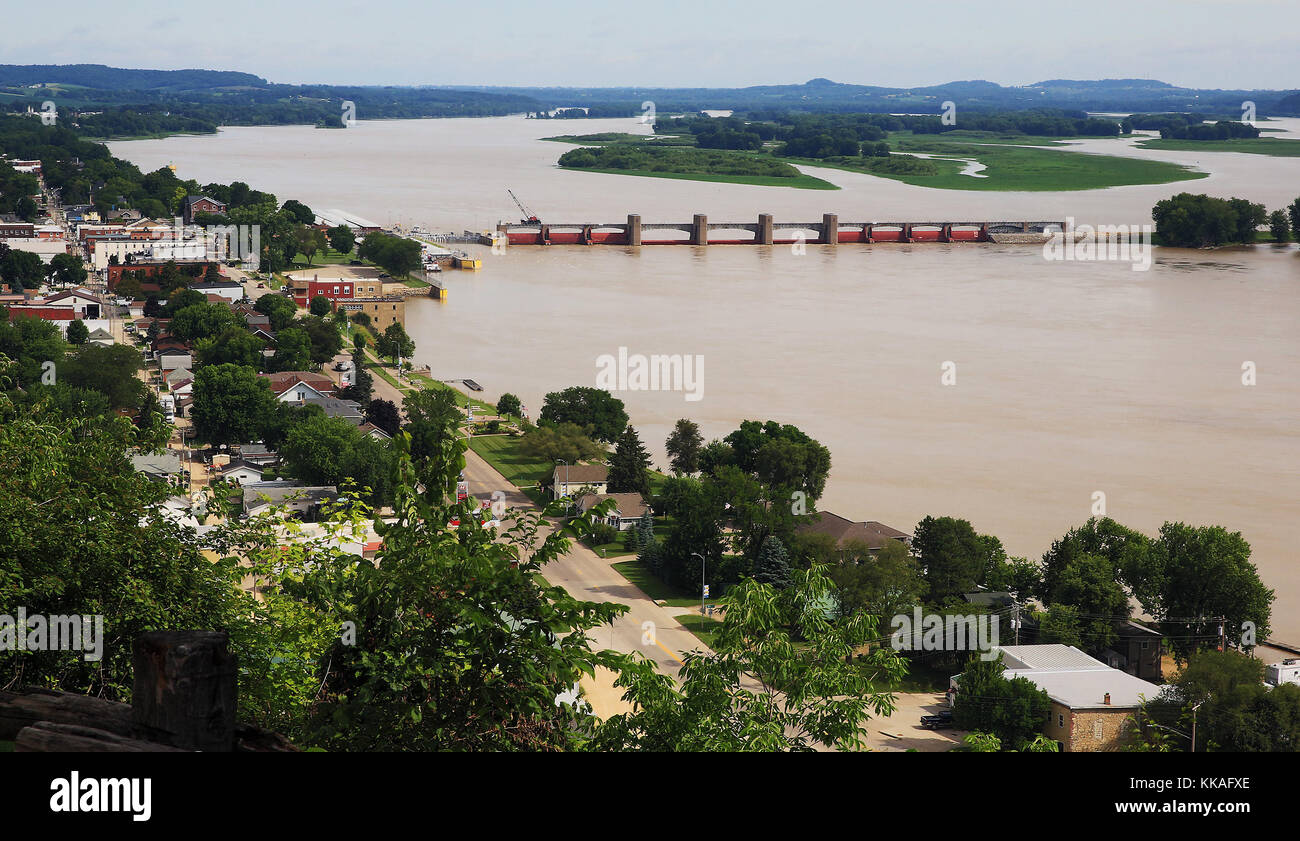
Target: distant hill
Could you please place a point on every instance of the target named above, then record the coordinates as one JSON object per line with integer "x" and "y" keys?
{"x": 115, "y": 78}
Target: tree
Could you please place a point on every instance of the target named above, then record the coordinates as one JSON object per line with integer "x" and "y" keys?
{"x": 1204, "y": 574}
{"x": 341, "y": 239}
{"x": 1279, "y": 226}
{"x": 509, "y": 405}
{"x": 1237, "y": 711}
{"x": 326, "y": 340}
{"x": 81, "y": 533}
{"x": 182, "y": 298}
{"x": 308, "y": 241}
{"x": 394, "y": 342}
{"x": 565, "y": 441}
{"x": 683, "y": 447}
{"x": 77, "y": 332}
{"x": 1090, "y": 583}
{"x": 1061, "y": 624}
{"x": 773, "y": 564}
{"x": 780, "y": 456}
{"x": 231, "y": 404}
{"x": 399, "y": 255}
{"x": 1014, "y": 711}
{"x": 66, "y": 270}
{"x": 953, "y": 556}
{"x": 1199, "y": 221}
{"x": 433, "y": 419}
{"x": 202, "y": 321}
{"x": 233, "y": 345}
{"x": 384, "y": 414}
{"x": 1293, "y": 211}
{"x": 278, "y": 309}
{"x": 629, "y": 466}
{"x": 760, "y": 691}
{"x": 320, "y": 305}
{"x": 129, "y": 287}
{"x": 293, "y": 350}
{"x": 22, "y": 268}
{"x": 362, "y": 386}
{"x": 586, "y": 406}
{"x": 885, "y": 583}
{"x": 300, "y": 212}
{"x": 109, "y": 370}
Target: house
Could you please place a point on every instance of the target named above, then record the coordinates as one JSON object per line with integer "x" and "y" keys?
{"x": 628, "y": 509}
{"x": 373, "y": 431}
{"x": 84, "y": 303}
{"x": 382, "y": 310}
{"x": 100, "y": 336}
{"x": 1138, "y": 651}
{"x": 570, "y": 478}
{"x": 302, "y": 500}
{"x": 171, "y": 358}
{"x": 192, "y": 205}
{"x": 258, "y": 454}
{"x": 336, "y": 408}
{"x": 242, "y": 472}
{"x": 227, "y": 289}
{"x": 332, "y": 288}
{"x": 297, "y": 386}
{"x": 165, "y": 466}
{"x": 1091, "y": 703}
{"x": 178, "y": 376}
{"x": 847, "y": 533}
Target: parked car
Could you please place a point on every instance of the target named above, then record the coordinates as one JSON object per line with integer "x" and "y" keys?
{"x": 939, "y": 721}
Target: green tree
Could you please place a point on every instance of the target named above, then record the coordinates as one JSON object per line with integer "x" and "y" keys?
{"x": 77, "y": 332}
{"x": 885, "y": 583}
{"x": 278, "y": 309}
{"x": 433, "y": 420}
{"x": 1204, "y": 574}
{"x": 509, "y": 405}
{"x": 293, "y": 350}
{"x": 1237, "y": 711}
{"x": 341, "y": 239}
{"x": 384, "y": 414}
{"x": 394, "y": 342}
{"x": 683, "y": 447}
{"x": 1293, "y": 212}
{"x": 952, "y": 554}
{"x": 586, "y": 407}
{"x": 109, "y": 370}
{"x": 1060, "y": 623}
{"x": 203, "y": 321}
{"x": 1279, "y": 226}
{"x": 326, "y": 340}
{"x": 320, "y": 305}
{"x": 22, "y": 268}
{"x": 629, "y": 466}
{"x": 773, "y": 564}
{"x": 300, "y": 212}
{"x": 234, "y": 345}
{"x": 565, "y": 441}
{"x": 760, "y": 691}
{"x": 66, "y": 270}
{"x": 231, "y": 404}
{"x": 1015, "y": 710}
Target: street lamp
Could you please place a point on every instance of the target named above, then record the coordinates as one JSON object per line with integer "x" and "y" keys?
{"x": 703, "y": 586}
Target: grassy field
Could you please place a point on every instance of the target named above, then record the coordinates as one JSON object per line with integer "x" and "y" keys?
{"x": 704, "y": 628}
{"x": 637, "y": 574}
{"x": 799, "y": 182}
{"x": 623, "y": 137}
{"x": 503, "y": 453}
{"x": 1274, "y": 146}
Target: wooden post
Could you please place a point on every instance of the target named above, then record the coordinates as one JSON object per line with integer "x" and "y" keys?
{"x": 184, "y": 693}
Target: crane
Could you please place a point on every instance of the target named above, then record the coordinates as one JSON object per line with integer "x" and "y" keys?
{"x": 529, "y": 218}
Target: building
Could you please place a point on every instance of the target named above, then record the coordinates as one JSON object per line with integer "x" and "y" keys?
{"x": 628, "y": 509}
{"x": 193, "y": 205}
{"x": 333, "y": 218}
{"x": 568, "y": 479}
{"x": 43, "y": 247}
{"x": 1091, "y": 704}
{"x": 298, "y": 386}
{"x": 301, "y": 500}
{"x": 100, "y": 336}
{"x": 1139, "y": 650}
{"x": 333, "y": 289}
{"x": 847, "y": 533}
{"x": 333, "y": 407}
{"x": 382, "y": 311}
{"x": 84, "y": 303}
{"x": 227, "y": 289}
{"x": 165, "y": 466}
{"x": 241, "y": 472}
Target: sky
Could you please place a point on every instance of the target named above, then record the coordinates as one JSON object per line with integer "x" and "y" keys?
{"x": 679, "y": 43}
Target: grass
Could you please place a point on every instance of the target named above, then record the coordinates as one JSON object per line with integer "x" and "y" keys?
{"x": 1274, "y": 146}
{"x": 703, "y": 627}
{"x": 799, "y": 182}
{"x": 653, "y": 587}
{"x": 504, "y": 454}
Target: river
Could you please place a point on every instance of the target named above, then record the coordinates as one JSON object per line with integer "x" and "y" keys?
{"x": 1071, "y": 378}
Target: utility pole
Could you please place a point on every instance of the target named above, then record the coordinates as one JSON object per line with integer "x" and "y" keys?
{"x": 704, "y": 588}
{"x": 1015, "y": 619}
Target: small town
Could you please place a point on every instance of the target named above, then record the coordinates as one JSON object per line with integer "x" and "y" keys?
{"x": 652, "y": 401}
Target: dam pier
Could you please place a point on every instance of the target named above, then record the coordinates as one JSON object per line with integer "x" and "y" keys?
{"x": 765, "y": 231}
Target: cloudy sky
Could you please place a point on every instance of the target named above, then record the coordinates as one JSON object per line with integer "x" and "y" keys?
{"x": 679, "y": 43}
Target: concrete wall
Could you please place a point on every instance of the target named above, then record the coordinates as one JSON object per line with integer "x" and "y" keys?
{"x": 1089, "y": 730}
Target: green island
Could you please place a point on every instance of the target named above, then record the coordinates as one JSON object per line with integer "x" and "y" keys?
{"x": 691, "y": 164}
{"x": 1012, "y": 161}
{"x": 1274, "y": 146}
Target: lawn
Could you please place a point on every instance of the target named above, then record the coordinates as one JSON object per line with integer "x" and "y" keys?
{"x": 799, "y": 182}
{"x": 703, "y": 627}
{"x": 503, "y": 453}
{"x": 658, "y": 590}
{"x": 1274, "y": 146}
